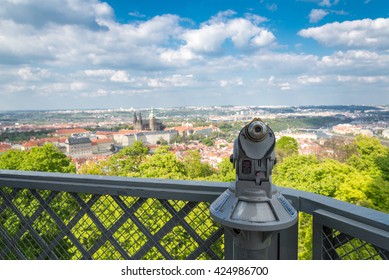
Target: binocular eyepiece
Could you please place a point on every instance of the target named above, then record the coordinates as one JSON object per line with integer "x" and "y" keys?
{"x": 256, "y": 131}
{"x": 256, "y": 141}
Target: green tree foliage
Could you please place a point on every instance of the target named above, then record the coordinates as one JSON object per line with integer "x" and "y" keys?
{"x": 162, "y": 164}
{"x": 176, "y": 139}
{"x": 341, "y": 150}
{"x": 94, "y": 168}
{"x": 207, "y": 141}
{"x": 47, "y": 158}
{"x": 226, "y": 171}
{"x": 362, "y": 179}
{"x": 195, "y": 169}
{"x": 359, "y": 175}
{"x": 286, "y": 146}
{"x": 128, "y": 160}
{"x": 12, "y": 159}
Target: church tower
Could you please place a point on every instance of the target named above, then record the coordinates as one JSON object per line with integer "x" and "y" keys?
{"x": 152, "y": 121}
{"x": 137, "y": 122}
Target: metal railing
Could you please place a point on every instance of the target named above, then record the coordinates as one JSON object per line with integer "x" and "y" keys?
{"x": 68, "y": 216}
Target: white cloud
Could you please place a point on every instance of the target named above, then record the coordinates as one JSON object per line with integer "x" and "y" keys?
{"x": 355, "y": 62}
{"x": 255, "y": 19}
{"x": 272, "y": 7}
{"x": 136, "y": 14}
{"x": 276, "y": 82}
{"x": 172, "y": 81}
{"x": 328, "y": 3}
{"x": 366, "y": 33}
{"x": 86, "y": 33}
{"x": 325, "y": 3}
{"x": 306, "y": 79}
{"x": 241, "y": 31}
{"x": 179, "y": 57}
{"x": 85, "y": 13}
{"x": 285, "y": 86}
{"x": 316, "y": 15}
{"x": 263, "y": 38}
{"x": 32, "y": 74}
{"x": 232, "y": 82}
{"x": 76, "y": 86}
{"x": 222, "y": 16}
{"x": 120, "y": 77}
{"x": 79, "y": 51}
{"x": 362, "y": 79}
{"x": 100, "y": 73}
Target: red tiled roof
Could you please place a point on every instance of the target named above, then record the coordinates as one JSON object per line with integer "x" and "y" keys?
{"x": 102, "y": 141}
{"x": 180, "y": 128}
{"x": 30, "y": 144}
{"x": 105, "y": 132}
{"x": 70, "y": 131}
{"x": 4, "y": 147}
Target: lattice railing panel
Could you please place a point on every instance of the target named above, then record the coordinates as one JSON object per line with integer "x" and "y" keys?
{"x": 337, "y": 245}
{"x": 37, "y": 224}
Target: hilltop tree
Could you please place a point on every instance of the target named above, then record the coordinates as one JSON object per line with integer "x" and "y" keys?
{"x": 162, "y": 164}
{"x": 12, "y": 159}
{"x": 47, "y": 158}
{"x": 128, "y": 160}
{"x": 226, "y": 171}
{"x": 94, "y": 168}
{"x": 362, "y": 179}
{"x": 285, "y": 147}
{"x": 342, "y": 150}
{"x": 194, "y": 167}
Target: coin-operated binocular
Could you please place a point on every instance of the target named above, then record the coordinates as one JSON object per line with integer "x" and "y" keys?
{"x": 252, "y": 209}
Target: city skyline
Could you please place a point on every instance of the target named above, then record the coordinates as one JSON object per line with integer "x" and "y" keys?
{"x": 108, "y": 54}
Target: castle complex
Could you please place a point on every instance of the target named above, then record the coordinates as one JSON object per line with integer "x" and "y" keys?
{"x": 152, "y": 124}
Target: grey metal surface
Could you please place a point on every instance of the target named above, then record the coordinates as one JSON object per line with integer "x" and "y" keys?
{"x": 337, "y": 237}
{"x": 69, "y": 216}
{"x": 37, "y": 221}
{"x": 94, "y": 184}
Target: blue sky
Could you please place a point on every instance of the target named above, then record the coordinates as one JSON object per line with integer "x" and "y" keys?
{"x": 61, "y": 54}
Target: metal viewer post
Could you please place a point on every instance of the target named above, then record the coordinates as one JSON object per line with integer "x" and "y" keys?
{"x": 252, "y": 209}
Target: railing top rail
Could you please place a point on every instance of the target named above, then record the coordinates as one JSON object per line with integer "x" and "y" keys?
{"x": 178, "y": 190}
{"x": 310, "y": 202}
{"x": 95, "y": 184}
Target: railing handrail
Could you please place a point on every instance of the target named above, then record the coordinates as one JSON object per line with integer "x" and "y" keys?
{"x": 310, "y": 202}
{"x": 114, "y": 185}
{"x": 179, "y": 190}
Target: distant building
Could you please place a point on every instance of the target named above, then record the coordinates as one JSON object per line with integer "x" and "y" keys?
{"x": 205, "y": 130}
{"x": 105, "y": 134}
{"x": 352, "y": 129}
{"x": 385, "y": 133}
{"x": 148, "y": 137}
{"x": 78, "y": 146}
{"x": 4, "y": 147}
{"x": 366, "y": 132}
{"x": 41, "y": 142}
{"x": 70, "y": 132}
{"x": 344, "y": 129}
{"x": 188, "y": 129}
{"x": 102, "y": 145}
{"x": 297, "y": 136}
{"x": 152, "y": 124}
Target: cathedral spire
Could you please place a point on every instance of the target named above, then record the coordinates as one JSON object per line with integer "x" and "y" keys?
{"x": 135, "y": 118}
{"x": 151, "y": 116}
{"x": 140, "y": 118}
